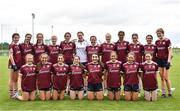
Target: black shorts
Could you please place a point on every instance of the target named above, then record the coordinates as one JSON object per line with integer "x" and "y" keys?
{"x": 112, "y": 89}
{"x": 10, "y": 67}
{"x": 161, "y": 62}
{"x": 29, "y": 91}
{"x": 133, "y": 88}
{"x": 58, "y": 90}
{"x": 45, "y": 89}
{"x": 95, "y": 87}
{"x": 77, "y": 89}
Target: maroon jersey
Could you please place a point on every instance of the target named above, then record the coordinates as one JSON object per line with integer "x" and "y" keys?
{"x": 53, "y": 52}
{"x": 92, "y": 50}
{"x": 162, "y": 48}
{"x": 68, "y": 49}
{"x": 76, "y": 76}
{"x": 131, "y": 73}
{"x": 25, "y": 49}
{"x": 106, "y": 49}
{"x": 44, "y": 76}
{"x": 138, "y": 50}
{"x": 16, "y": 55}
{"x": 60, "y": 76}
{"x": 113, "y": 76}
{"x": 95, "y": 72}
{"x": 122, "y": 50}
{"x": 38, "y": 50}
{"x": 152, "y": 49}
{"x": 28, "y": 73}
{"x": 149, "y": 78}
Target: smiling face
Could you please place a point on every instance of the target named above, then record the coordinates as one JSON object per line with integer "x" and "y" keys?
{"x": 121, "y": 35}
{"x": 28, "y": 38}
{"x": 149, "y": 39}
{"x": 60, "y": 59}
{"x": 39, "y": 38}
{"x": 16, "y": 39}
{"x": 76, "y": 60}
{"x": 80, "y": 36}
{"x": 95, "y": 58}
{"x": 130, "y": 58}
{"x": 44, "y": 58}
{"x": 108, "y": 37}
{"x": 54, "y": 40}
{"x": 67, "y": 37}
{"x": 160, "y": 35}
{"x": 148, "y": 57}
{"x": 29, "y": 59}
{"x": 93, "y": 40}
{"x": 113, "y": 56}
{"x": 135, "y": 38}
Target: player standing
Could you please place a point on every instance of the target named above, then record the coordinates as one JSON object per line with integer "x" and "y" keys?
{"x": 121, "y": 47}
{"x": 94, "y": 48}
{"x": 53, "y": 50}
{"x": 164, "y": 55}
{"x": 15, "y": 62}
{"x": 150, "y": 48}
{"x": 26, "y": 47}
{"x": 39, "y": 47}
{"x": 68, "y": 48}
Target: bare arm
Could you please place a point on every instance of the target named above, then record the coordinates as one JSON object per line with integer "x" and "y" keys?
{"x": 11, "y": 56}
{"x": 170, "y": 54}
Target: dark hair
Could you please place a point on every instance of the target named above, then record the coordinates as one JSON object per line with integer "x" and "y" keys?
{"x": 92, "y": 37}
{"x": 121, "y": 32}
{"x": 149, "y": 36}
{"x": 80, "y": 32}
{"x": 67, "y": 33}
{"x": 134, "y": 34}
{"x": 15, "y": 34}
{"x": 160, "y": 30}
{"x": 38, "y": 35}
{"x": 28, "y": 34}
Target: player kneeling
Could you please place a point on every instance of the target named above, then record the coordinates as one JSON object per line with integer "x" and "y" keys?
{"x": 149, "y": 78}
{"x": 95, "y": 72}
{"x": 113, "y": 68}
{"x": 131, "y": 81}
{"x": 76, "y": 76}
{"x": 60, "y": 71}
{"x": 44, "y": 82}
{"x": 27, "y": 80}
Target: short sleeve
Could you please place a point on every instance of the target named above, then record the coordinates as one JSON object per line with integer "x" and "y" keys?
{"x": 168, "y": 43}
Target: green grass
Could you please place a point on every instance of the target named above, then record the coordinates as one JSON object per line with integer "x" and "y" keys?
{"x": 67, "y": 104}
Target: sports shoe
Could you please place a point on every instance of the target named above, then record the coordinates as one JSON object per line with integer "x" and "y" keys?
{"x": 163, "y": 96}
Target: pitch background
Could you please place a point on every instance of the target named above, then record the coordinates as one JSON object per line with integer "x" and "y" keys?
{"x": 67, "y": 104}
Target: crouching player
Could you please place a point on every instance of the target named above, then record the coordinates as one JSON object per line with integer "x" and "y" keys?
{"x": 27, "y": 80}
{"x": 149, "y": 79}
{"x": 113, "y": 68}
{"x": 131, "y": 81}
{"x": 76, "y": 77}
{"x": 44, "y": 82}
{"x": 95, "y": 73}
{"x": 60, "y": 71}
